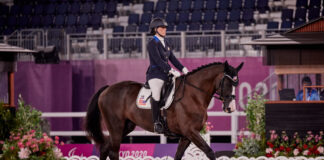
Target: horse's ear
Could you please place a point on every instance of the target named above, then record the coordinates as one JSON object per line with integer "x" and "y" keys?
{"x": 239, "y": 67}
{"x": 226, "y": 68}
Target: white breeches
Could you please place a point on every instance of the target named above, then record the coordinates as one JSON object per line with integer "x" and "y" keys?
{"x": 156, "y": 86}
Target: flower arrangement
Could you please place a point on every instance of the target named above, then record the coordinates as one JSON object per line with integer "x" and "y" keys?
{"x": 206, "y": 128}
{"x": 31, "y": 146}
{"x": 27, "y": 138}
{"x": 309, "y": 146}
{"x": 250, "y": 145}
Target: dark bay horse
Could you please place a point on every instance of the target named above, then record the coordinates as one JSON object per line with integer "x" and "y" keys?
{"x": 116, "y": 106}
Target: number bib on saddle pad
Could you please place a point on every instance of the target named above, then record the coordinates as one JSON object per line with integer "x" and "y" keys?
{"x": 143, "y": 99}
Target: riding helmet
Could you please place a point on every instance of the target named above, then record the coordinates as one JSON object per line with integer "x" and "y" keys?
{"x": 157, "y": 22}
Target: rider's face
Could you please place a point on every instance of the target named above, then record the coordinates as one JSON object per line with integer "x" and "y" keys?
{"x": 162, "y": 30}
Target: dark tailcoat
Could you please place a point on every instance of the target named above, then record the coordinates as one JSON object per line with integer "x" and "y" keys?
{"x": 159, "y": 56}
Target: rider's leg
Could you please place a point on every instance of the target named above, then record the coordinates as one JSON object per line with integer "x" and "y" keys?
{"x": 156, "y": 86}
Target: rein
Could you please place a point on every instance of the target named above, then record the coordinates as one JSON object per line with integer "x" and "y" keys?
{"x": 183, "y": 82}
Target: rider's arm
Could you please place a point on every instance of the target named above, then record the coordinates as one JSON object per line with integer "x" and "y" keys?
{"x": 175, "y": 62}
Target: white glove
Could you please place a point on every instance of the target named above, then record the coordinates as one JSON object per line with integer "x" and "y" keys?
{"x": 174, "y": 73}
{"x": 185, "y": 70}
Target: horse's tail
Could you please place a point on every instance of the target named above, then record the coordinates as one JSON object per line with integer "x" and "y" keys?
{"x": 93, "y": 119}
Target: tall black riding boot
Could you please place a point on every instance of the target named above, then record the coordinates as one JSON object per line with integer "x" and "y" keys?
{"x": 158, "y": 127}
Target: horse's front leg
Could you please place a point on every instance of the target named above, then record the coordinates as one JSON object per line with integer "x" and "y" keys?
{"x": 195, "y": 137}
{"x": 183, "y": 145}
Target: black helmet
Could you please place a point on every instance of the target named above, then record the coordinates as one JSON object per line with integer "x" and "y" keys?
{"x": 157, "y": 22}
{"x": 307, "y": 80}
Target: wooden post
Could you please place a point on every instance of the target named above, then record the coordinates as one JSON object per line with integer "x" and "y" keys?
{"x": 11, "y": 89}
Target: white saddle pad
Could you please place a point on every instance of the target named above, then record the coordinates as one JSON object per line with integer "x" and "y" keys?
{"x": 143, "y": 100}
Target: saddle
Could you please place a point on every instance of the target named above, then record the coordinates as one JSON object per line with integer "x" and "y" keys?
{"x": 166, "y": 99}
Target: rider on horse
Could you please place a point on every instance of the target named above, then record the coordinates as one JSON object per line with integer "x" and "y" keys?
{"x": 157, "y": 73}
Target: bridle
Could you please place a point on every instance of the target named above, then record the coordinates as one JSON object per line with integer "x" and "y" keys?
{"x": 229, "y": 98}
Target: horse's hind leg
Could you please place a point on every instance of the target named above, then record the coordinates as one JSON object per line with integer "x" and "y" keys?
{"x": 183, "y": 145}
{"x": 129, "y": 127}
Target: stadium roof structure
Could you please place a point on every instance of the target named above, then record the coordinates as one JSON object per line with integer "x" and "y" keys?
{"x": 311, "y": 33}
{"x": 5, "y": 48}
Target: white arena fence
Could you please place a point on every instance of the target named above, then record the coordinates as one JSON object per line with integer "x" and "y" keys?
{"x": 233, "y": 132}
{"x": 186, "y": 158}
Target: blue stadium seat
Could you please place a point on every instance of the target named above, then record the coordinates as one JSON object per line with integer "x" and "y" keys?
{"x": 8, "y": 31}
{"x": 115, "y": 45}
{"x": 47, "y": 21}
{"x": 170, "y": 27}
{"x": 173, "y": 5}
{"x": 159, "y": 14}
{"x": 4, "y": 10}
{"x": 143, "y": 28}
{"x": 262, "y": 6}
{"x": 315, "y": 4}
{"x": 148, "y": 7}
{"x": 171, "y": 18}
{"x": 35, "y": 21}
{"x": 302, "y": 3}
{"x": 211, "y": 4}
{"x": 299, "y": 22}
{"x": 133, "y": 19}
{"x": 207, "y": 26}
{"x": 233, "y": 26}
{"x": 313, "y": 13}
{"x": 249, "y": 4}
{"x": 83, "y": 20}
{"x": 99, "y": 7}
{"x": 129, "y": 44}
{"x": 146, "y": 18}
{"x": 220, "y": 26}
{"x": 181, "y": 27}
{"x": 273, "y": 25}
{"x": 185, "y": 5}
{"x": 49, "y": 9}
{"x": 235, "y": 16}
{"x": 70, "y": 29}
{"x": 27, "y": 10}
{"x": 286, "y": 24}
{"x": 86, "y": 7}
{"x": 300, "y": 14}
{"x": 160, "y": 6}
{"x": 198, "y": 5}
{"x": 12, "y": 21}
{"x": 221, "y": 16}
{"x": 287, "y": 14}
{"x": 194, "y": 27}
{"x": 75, "y": 8}
{"x": 15, "y": 10}
{"x": 81, "y": 29}
{"x": 62, "y": 8}
{"x": 59, "y": 21}
{"x": 3, "y": 22}
{"x": 209, "y": 16}
{"x": 196, "y": 17}
{"x": 111, "y": 8}
{"x": 223, "y": 4}
{"x": 118, "y": 29}
{"x": 38, "y": 9}
{"x": 71, "y": 20}
{"x": 23, "y": 21}
{"x": 236, "y": 5}
{"x": 95, "y": 21}
{"x": 183, "y": 17}
{"x": 248, "y": 17}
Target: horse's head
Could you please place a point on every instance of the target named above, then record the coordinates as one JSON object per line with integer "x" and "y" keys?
{"x": 226, "y": 86}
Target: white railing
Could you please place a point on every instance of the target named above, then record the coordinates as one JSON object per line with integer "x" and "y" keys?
{"x": 233, "y": 132}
